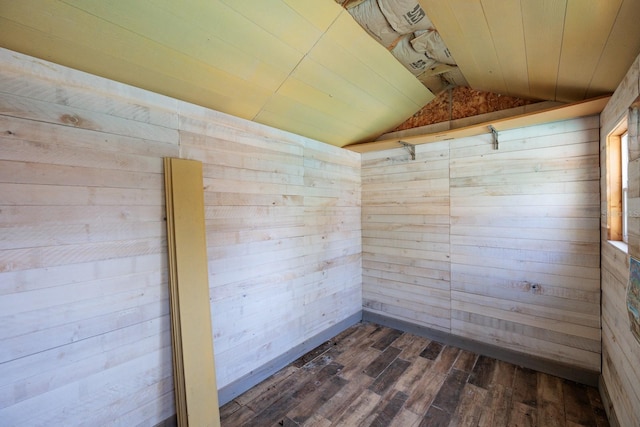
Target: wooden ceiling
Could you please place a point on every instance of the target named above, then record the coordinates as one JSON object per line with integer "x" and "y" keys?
{"x": 307, "y": 67}
{"x": 302, "y": 66}
{"x": 555, "y": 50}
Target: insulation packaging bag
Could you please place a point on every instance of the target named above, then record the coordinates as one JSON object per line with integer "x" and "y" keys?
{"x": 430, "y": 43}
{"x": 369, "y": 16}
{"x": 405, "y": 16}
{"x": 413, "y": 61}
{"x": 455, "y": 77}
{"x": 434, "y": 82}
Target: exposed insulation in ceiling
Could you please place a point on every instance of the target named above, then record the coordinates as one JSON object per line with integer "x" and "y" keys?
{"x": 458, "y": 103}
{"x": 403, "y": 27}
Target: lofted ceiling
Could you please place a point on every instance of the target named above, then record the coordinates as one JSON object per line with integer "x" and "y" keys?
{"x": 307, "y": 67}
{"x": 555, "y": 50}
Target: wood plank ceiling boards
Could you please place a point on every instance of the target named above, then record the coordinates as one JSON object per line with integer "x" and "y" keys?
{"x": 557, "y": 50}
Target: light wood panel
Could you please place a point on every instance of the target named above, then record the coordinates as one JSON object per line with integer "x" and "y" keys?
{"x": 84, "y": 277}
{"x": 405, "y": 228}
{"x": 289, "y": 209}
{"x": 500, "y": 246}
{"x": 565, "y": 50}
{"x": 574, "y": 339}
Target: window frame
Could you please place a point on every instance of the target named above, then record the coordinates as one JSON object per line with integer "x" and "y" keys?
{"x": 617, "y": 176}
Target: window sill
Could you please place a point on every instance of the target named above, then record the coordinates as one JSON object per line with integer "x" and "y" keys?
{"x": 620, "y": 245}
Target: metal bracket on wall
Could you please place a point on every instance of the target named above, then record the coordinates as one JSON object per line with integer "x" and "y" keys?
{"x": 494, "y": 132}
{"x": 410, "y": 148}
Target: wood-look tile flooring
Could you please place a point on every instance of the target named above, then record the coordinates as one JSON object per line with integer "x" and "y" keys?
{"x": 376, "y": 376}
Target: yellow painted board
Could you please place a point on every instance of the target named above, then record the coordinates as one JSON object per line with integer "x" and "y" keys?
{"x": 324, "y": 102}
{"x": 320, "y": 13}
{"x": 347, "y": 33}
{"x": 543, "y": 22}
{"x": 131, "y": 61}
{"x": 586, "y": 30}
{"x": 306, "y": 120}
{"x": 204, "y": 44}
{"x": 196, "y": 381}
{"x": 477, "y": 35}
{"x": 281, "y": 20}
{"x": 505, "y": 25}
{"x": 364, "y": 74}
{"x": 454, "y": 35}
{"x": 333, "y": 86}
{"x": 233, "y": 28}
{"x": 619, "y": 52}
{"x": 578, "y": 109}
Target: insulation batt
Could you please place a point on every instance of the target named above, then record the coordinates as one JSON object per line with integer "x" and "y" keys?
{"x": 405, "y": 16}
{"x": 431, "y": 43}
{"x": 455, "y": 77}
{"x": 413, "y": 61}
{"x": 369, "y": 16}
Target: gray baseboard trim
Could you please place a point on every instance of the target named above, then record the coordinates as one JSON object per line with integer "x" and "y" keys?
{"x": 607, "y": 403}
{"x": 172, "y": 421}
{"x": 573, "y": 373}
{"x": 230, "y": 391}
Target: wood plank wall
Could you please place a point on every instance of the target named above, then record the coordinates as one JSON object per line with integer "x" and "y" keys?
{"x": 83, "y": 264}
{"x": 405, "y": 235}
{"x": 511, "y": 236}
{"x": 620, "y": 350}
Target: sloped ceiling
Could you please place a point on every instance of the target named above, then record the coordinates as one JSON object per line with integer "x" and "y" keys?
{"x": 555, "y": 50}
{"x": 302, "y": 66}
{"x": 305, "y": 66}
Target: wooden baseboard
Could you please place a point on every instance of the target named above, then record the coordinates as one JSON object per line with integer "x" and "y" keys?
{"x": 573, "y": 373}
{"x": 230, "y": 391}
{"x": 607, "y": 403}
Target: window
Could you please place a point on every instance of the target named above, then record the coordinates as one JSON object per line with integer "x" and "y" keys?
{"x": 617, "y": 182}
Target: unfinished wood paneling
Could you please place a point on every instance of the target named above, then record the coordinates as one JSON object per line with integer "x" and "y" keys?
{"x": 283, "y": 232}
{"x": 528, "y": 233}
{"x": 620, "y": 349}
{"x": 83, "y": 275}
{"x": 405, "y": 234}
{"x": 499, "y": 246}
{"x": 83, "y": 271}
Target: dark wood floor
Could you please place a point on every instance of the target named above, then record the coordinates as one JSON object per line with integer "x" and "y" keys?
{"x": 375, "y": 376}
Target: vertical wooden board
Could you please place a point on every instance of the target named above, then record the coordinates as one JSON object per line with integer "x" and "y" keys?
{"x": 309, "y": 119}
{"x": 505, "y": 24}
{"x": 191, "y": 295}
{"x": 443, "y": 16}
{"x": 267, "y": 67}
{"x": 396, "y": 83}
{"x": 478, "y": 36}
{"x": 218, "y": 20}
{"x": 346, "y": 33}
{"x": 610, "y": 69}
{"x": 284, "y": 21}
{"x": 543, "y": 23}
{"x": 587, "y": 27}
{"x": 321, "y": 14}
